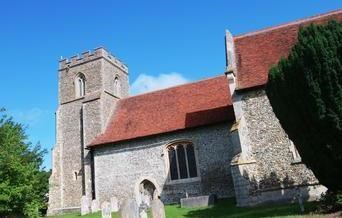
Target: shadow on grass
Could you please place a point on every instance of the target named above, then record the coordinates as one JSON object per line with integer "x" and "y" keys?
{"x": 227, "y": 208}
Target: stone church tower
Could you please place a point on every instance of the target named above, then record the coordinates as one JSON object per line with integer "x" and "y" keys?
{"x": 89, "y": 87}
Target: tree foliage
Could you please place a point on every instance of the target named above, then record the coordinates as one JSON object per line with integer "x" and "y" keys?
{"x": 23, "y": 183}
{"x": 305, "y": 91}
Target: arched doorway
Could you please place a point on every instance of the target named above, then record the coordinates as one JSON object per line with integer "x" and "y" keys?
{"x": 147, "y": 191}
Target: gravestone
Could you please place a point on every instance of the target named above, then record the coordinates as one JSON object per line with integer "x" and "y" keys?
{"x": 95, "y": 206}
{"x": 114, "y": 204}
{"x": 143, "y": 214}
{"x": 129, "y": 209}
{"x": 157, "y": 208}
{"x": 143, "y": 210}
{"x": 199, "y": 201}
{"x": 84, "y": 205}
{"x": 105, "y": 210}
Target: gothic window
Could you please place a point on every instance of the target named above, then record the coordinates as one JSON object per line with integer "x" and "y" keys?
{"x": 80, "y": 85}
{"x": 182, "y": 161}
{"x": 117, "y": 86}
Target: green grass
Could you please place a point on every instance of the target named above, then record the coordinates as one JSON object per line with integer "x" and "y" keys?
{"x": 77, "y": 215}
{"x": 225, "y": 208}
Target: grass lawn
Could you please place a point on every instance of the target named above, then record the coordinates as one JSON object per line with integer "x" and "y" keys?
{"x": 224, "y": 208}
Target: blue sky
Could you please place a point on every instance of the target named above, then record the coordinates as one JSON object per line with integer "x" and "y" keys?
{"x": 163, "y": 43}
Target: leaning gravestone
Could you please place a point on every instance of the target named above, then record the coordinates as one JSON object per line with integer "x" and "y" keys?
{"x": 114, "y": 204}
{"x": 129, "y": 209}
{"x": 84, "y": 205}
{"x": 105, "y": 209}
{"x": 157, "y": 208}
{"x": 95, "y": 206}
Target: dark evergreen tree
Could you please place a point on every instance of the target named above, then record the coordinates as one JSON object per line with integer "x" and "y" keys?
{"x": 305, "y": 91}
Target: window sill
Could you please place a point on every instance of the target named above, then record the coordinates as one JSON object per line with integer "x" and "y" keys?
{"x": 181, "y": 181}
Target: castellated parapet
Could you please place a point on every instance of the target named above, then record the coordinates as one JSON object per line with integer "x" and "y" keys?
{"x": 87, "y": 56}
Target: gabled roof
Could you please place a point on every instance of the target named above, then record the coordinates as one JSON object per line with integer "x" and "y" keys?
{"x": 185, "y": 106}
{"x": 208, "y": 101}
{"x": 256, "y": 52}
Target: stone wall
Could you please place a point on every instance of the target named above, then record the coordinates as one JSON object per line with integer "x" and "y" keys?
{"x": 71, "y": 153}
{"x": 55, "y": 179}
{"x": 121, "y": 167}
{"x": 270, "y": 172}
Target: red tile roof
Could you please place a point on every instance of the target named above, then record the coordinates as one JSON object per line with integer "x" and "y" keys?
{"x": 256, "y": 52}
{"x": 190, "y": 105}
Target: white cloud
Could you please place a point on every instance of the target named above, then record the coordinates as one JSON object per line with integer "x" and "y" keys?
{"x": 31, "y": 116}
{"x": 147, "y": 83}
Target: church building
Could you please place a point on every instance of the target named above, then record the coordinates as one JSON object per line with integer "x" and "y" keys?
{"x": 217, "y": 136}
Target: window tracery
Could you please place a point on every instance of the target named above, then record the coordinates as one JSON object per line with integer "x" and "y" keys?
{"x": 182, "y": 161}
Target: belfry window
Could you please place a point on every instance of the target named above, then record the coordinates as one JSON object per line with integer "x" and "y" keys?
{"x": 80, "y": 85}
{"x": 182, "y": 161}
{"x": 117, "y": 86}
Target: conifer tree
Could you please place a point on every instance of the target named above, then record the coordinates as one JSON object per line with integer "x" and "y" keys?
{"x": 305, "y": 91}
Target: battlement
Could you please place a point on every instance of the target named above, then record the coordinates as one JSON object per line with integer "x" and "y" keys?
{"x": 87, "y": 56}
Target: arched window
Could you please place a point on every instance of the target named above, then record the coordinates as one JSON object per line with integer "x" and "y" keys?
{"x": 182, "y": 160}
{"x": 80, "y": 85}
{"x": 117, "y": 86}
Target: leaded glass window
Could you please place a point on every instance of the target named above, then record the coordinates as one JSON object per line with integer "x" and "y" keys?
{"x": 182, "y": 161}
